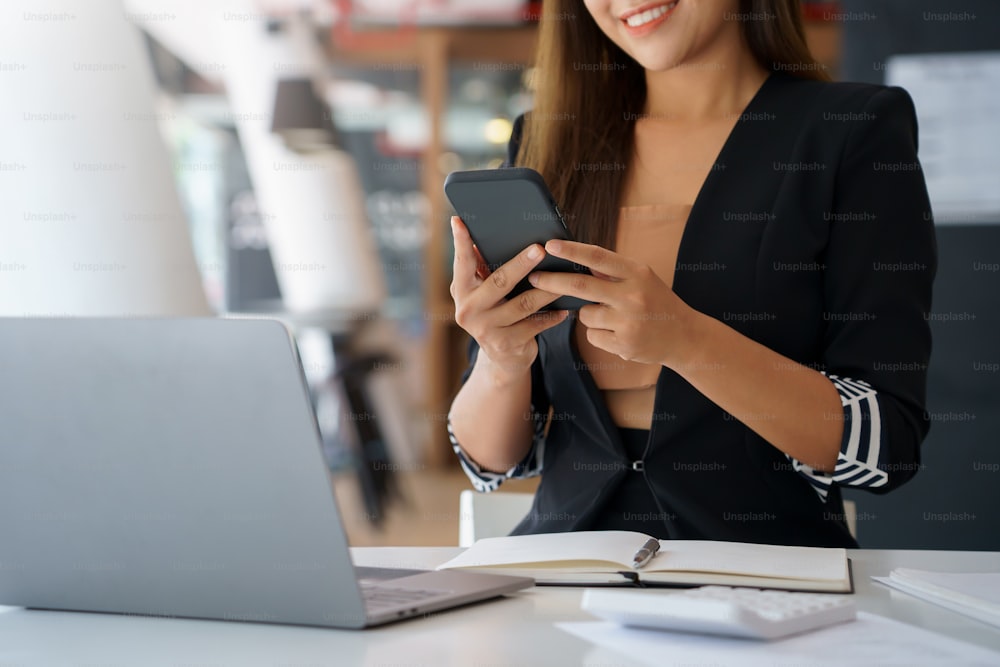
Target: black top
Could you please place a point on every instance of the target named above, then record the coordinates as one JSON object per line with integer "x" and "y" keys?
{"x": 812, "y": 235}
{"x": 633, "y": 505}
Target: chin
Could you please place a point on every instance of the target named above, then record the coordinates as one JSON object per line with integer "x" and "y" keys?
{"x": 657, "y": 57}
{"x": 658, "y": 62}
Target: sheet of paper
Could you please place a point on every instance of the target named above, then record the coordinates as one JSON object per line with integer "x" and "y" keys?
{"x": 871, "y": 640}
{"x": 972, "y": 594}
{"x": 957, "y": 97}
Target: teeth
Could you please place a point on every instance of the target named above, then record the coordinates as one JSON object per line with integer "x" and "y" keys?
{"x": 645, "y": 17}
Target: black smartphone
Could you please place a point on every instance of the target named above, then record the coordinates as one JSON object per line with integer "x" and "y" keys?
{"x": 505, "y": 211}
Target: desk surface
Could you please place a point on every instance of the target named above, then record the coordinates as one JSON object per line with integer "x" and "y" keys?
{"x": 517, "y": 630}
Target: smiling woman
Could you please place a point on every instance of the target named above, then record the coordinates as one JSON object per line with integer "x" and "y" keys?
{"x": 699, "y": 37}
{"x": 758, "y": 337}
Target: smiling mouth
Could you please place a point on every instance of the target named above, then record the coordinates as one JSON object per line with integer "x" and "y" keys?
{"x": 644, "y": 18}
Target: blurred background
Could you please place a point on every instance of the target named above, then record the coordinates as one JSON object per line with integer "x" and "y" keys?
{"x": 286, "y": 157}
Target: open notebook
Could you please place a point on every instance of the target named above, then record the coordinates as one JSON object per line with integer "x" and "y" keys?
{"x": 605, "y": 557}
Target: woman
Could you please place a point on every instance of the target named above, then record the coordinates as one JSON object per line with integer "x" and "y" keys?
{"x": 762, "y": 255}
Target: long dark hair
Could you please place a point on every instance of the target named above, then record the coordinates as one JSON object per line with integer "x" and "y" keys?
{"x": 588, "y": 94}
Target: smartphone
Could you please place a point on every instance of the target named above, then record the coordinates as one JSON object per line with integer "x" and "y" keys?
{"x": 505, "y": 211}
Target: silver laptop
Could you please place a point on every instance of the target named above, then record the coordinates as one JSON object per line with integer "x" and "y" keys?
{"x": 172, "y": 467}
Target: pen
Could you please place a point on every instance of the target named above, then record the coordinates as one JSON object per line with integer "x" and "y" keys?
{"x": 643, "y": 555}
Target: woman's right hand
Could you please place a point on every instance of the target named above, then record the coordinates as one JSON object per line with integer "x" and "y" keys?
{"x": 505, "y": 329}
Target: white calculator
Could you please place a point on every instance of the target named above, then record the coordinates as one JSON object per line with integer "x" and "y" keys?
{"x": 722, "y": 610}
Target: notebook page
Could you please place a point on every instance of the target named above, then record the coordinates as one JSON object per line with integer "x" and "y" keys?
{"x": 616, "y": 547}
{"x": 808, "y": 563}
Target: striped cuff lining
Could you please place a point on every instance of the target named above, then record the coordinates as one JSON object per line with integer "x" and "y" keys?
{"x": 857, "y": 463}
{"x": 531, "y": 466}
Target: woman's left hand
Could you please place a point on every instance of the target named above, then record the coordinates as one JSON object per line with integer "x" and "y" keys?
{"x": 635, "y": 314}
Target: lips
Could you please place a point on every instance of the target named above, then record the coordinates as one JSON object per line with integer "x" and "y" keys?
{"x": 645, "y": 18}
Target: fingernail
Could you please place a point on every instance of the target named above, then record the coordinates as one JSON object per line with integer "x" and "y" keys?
{"x": 553, "y": 246}
{"x": 534, "y": 252}
{"x": 533, "y": 279}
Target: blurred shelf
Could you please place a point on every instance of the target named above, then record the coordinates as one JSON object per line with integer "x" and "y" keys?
{"x": 431, "y": 51}
{"x": 409, "y": 45}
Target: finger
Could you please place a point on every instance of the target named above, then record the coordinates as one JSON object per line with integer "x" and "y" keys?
{"x": 523, "y": 305}
{"x": 482, "y": 268}
{"x": 464, "y": 268}
{"x": 593, "y": 257}
{"x": 595, "y": 316}
{"x": 507, "y": 276}
{"x": 579, "y": 285}
{"x": 535, "y": 324}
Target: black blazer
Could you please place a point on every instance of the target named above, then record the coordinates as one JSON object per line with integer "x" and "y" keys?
{"x": 812, "y": 234}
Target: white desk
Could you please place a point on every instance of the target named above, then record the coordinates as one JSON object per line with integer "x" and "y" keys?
{"x": 512, "y": 632}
